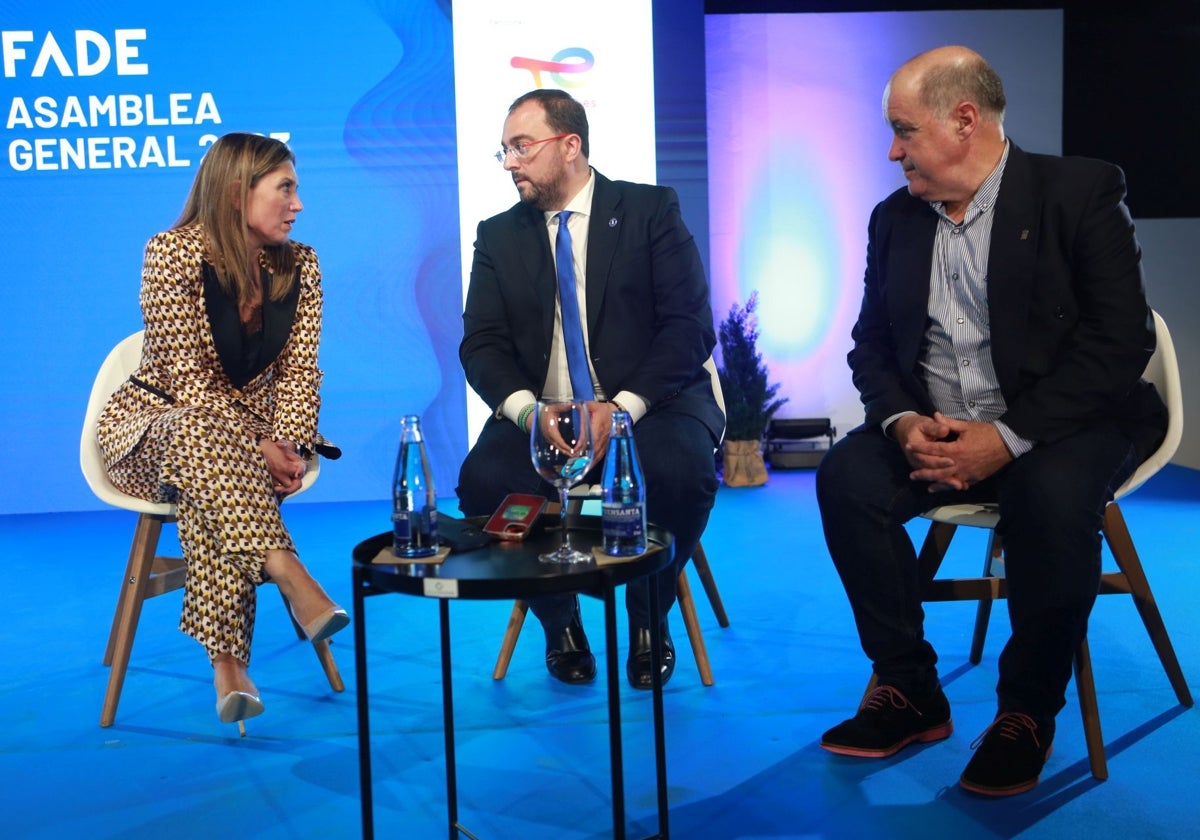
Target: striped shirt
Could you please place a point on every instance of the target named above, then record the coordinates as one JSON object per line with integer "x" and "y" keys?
{"x": 956, "y": 365}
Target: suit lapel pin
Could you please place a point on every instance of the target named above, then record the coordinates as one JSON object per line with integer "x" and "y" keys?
{"x": 612, "y": 222}
{"x": 1024, "y": 234}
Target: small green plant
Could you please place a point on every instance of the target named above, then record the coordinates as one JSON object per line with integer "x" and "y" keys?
{"x": 749, "y": 401}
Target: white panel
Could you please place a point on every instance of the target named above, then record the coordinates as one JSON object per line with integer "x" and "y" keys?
{"x": 599, "y": 51}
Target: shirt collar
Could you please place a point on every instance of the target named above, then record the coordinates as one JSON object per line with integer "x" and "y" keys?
{"x": 581, "y": 203}
{"x": 985, "y": 197}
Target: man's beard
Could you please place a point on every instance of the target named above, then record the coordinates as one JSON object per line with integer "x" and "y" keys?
{"x": 545, "y": 197}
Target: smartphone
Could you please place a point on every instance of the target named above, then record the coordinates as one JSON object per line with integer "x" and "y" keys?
{"x": 515, "y": 516}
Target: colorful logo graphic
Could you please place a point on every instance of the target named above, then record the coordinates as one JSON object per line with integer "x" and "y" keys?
{"x": 565, "y": 62}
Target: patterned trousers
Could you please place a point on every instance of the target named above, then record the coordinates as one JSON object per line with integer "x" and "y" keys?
{"x": 227, "y": 513}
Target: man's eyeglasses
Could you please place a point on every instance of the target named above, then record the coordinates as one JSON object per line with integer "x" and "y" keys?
{"x": 520, "y": 150}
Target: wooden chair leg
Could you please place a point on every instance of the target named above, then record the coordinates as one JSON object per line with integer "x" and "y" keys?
{"x": 141, "y": 554}
{"x": 325, "y": 657}
{"x": 515, "y": 621}
{"x": 1089, "y": 708}
{"x": 1116, "y": 533}
{"x": 1130, "y": 579}
{"x": 933, "y": 548}
{"x": 146, "y": 576}
{"x": 129, "y": 611}
{"x": 700, "y": 562}
{"x": 687, "y": 609}
{"x": 323, "y": 649}
{"x": 983, "y": 612}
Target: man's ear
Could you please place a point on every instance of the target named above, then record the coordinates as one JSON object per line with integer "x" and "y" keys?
{"x": 574, "y": 146}
{"x": 966, "y": 119}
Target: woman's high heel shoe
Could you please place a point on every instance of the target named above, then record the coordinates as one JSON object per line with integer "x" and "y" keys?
{"x": 324, "y": 625}
{"x": 236, "y": 706}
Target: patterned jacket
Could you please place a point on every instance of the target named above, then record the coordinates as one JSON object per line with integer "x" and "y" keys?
{"x": 181, "y": 363}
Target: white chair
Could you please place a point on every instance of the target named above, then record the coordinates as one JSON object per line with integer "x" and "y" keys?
{"x": 1130, "y": 579}
{"x": 146, "y": 574}
{"x": 683, "y": 590}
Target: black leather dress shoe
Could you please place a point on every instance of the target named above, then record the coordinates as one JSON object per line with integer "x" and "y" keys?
{"x": 639, "y": 667}
{"x": 568, "y": 657}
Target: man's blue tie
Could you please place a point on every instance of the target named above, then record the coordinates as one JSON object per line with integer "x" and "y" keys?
{"x": 581, "y": 379}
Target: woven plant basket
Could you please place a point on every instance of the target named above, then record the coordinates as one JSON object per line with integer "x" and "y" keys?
{"x": 743, "y": 460}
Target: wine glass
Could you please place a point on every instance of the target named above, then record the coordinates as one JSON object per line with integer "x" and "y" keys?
{"x": 560, "y": 444}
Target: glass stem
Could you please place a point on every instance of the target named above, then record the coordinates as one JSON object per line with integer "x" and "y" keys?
{"x": 562, "y": 519}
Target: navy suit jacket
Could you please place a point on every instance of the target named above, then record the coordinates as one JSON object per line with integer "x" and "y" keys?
{"x": 1070, "y": 328}
{"x": 650, "y": 326}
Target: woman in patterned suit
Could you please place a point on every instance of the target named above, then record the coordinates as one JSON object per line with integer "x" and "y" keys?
{"x": 223, "y": 407}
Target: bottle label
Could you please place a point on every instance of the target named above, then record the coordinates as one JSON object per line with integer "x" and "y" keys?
{"x": 415, "y": 532}
{"x": 624, "y": 522}
{"x": 401, "y": 526}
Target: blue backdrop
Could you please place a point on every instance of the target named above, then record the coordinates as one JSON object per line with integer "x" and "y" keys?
{"x": 107, "y": 107}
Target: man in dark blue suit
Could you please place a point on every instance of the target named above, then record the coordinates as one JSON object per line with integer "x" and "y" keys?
{"x": 643, "y": 301}
{"x": 998, "y": 352}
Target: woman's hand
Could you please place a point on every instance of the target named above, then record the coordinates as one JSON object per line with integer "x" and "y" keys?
{"x": 286, "y": 466}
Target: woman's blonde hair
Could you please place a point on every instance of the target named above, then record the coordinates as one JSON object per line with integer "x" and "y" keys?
{"x": 229, "y": 170}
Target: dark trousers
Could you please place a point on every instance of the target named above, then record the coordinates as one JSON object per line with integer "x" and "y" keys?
{"x": 676, "y": 452}
{"x": 1051, "y": 503}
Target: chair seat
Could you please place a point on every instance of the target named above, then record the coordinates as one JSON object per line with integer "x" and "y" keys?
{"x": 977, "y": 516}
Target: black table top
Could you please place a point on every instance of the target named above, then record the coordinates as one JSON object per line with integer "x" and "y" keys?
{"x": 511, "y": 569}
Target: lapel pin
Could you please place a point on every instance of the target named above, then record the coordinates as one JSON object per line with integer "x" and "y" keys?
{"x": 1024, "y": 234}
{"x": 612, "y": 222}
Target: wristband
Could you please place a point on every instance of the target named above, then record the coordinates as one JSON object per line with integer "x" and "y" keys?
{"x": 524, "y": 415}
{"x": 618, "y": 406}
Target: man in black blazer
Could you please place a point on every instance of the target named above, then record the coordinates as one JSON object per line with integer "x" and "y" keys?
{"x": 643, "y": 301}
{"x": 998, "y": 352}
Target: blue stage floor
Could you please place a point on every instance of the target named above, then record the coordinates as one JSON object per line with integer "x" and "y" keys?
{"x": 743, "y": 762}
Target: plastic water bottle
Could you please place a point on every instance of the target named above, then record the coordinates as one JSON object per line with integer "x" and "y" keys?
{"x": 623, "y": 492}
{"x": 414, "y": 500}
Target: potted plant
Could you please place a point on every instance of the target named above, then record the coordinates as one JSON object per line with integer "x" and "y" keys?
{"x": 749, "y": 399}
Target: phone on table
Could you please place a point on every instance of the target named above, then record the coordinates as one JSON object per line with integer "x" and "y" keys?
{"x": 515, "y": 516}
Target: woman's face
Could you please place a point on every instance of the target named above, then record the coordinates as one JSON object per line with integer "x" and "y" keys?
{"x": 271, "y": 207}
